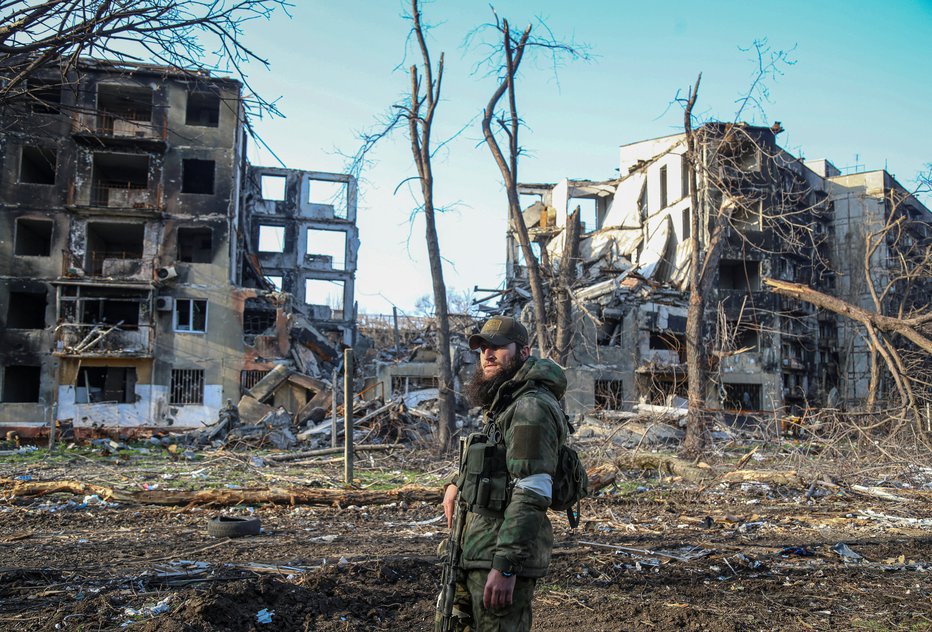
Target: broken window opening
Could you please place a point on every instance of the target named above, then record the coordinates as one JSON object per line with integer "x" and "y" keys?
{"x": 124, "y": 110}
{"x": 97, "y": 385}
{"x": 329, "y": 193}
{"x": 272, "y": 188}
{"x": 110, "y": 311}
{"x": 740, "y": 155}
{"x": 687, "y": 223}
{"x": 276, "y": 281}
{"x": 663, "y": 186}
{"x": 187, "y": 387}
{"x": 21, "y": 384}
{"x": 197, "y": 176}
{"x": 110, "y": 244}
{"x": 37, "y": 165}
{"x": 526, "y": 200}
{"x": 203, "y": 109}
{"x": 588, "y": 213}
{"x": 327, "y": 247}
{"x": 33, "y": 237}
{"x": 662, "y": 389}
{"x": 666, "y": 340}
{"x": 739, "y": 275}
{"x": 407, "y": 383}
{"x": 741, "y": 397}
{"x": 642, "y": 202}
{"x": 45, "y": 95}
{"x": 195, "y": 244}
{"x": 121, "y": 181}
{"x": 747, "y": 336}
{"x": 324, "y": 292}
{"x": 684, "y": 176}
{"x": 609, "y": 394}
{"x": 249, "y": 378}
{"x": 26, "y": 310}
{"x": 258, "y": 316}
{"x": 190, "y": 315}
{"x": 271, "y": 238}
{"x": 747, "y": 215}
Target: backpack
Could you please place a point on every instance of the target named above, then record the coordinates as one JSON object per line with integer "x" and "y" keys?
{"x": 570, "y": 482}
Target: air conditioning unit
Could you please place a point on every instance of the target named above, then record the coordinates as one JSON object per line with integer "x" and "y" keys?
{"x": 163, "y": 303}
{"x": 166, "y": 273}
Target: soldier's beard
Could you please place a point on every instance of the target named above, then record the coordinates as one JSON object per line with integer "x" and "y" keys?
{"x": 481, "y": 390}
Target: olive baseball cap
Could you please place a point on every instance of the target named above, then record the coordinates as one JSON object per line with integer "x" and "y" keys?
{"x": 498, "y": 331}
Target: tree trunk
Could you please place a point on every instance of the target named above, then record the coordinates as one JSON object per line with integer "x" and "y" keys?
{"x": 697, "y": 436}
{"x": 419, "y": 129}
{"x": 564, "y": 290}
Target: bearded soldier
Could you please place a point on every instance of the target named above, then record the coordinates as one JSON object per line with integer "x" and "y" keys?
{"x": 506, "y": 479}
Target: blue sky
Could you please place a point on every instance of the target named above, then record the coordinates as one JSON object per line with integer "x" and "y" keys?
{"x": 857, "y": 94}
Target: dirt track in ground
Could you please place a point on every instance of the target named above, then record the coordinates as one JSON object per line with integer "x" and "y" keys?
{"x": 750, "y": 558}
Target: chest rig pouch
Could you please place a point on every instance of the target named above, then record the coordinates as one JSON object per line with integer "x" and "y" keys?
{"x": 484, "y": 473}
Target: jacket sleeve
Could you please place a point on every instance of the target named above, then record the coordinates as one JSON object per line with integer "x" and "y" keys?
{"x": 532, "y": 442}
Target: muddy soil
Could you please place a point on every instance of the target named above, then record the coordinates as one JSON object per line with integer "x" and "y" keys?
{"x": 649, "y": 555}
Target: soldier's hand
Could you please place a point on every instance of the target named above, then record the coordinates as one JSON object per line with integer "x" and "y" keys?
{"x": 499, "y": 590}
{"x": 449, "y": 503}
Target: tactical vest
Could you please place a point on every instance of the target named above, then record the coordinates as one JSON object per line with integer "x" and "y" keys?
{"x": 485, "y": 485}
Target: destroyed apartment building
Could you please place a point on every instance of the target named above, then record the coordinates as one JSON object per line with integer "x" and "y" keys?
{"x": 148, "y": 272}
{"x": 782, "y": 217}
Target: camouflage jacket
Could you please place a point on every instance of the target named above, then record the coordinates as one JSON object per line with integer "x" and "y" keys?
{"x": 527, "y": 412}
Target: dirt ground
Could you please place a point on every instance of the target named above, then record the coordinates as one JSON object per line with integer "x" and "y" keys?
{"x": 650, "y": 554}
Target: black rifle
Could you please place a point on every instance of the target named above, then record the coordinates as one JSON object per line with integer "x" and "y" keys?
{"x": 446, "y": 622}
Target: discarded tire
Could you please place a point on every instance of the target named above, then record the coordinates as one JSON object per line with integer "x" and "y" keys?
{"x": 230, "y": 527}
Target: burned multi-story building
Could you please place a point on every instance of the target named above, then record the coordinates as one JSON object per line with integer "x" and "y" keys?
{"x": 768, "y": 214}
{"x": 135, "y": 287}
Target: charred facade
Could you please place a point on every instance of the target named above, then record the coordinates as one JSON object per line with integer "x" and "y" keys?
{"x": 770, "y": 215}
{"x": 133, "y": 293}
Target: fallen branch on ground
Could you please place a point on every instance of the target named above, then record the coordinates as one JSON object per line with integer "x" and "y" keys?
{"x": 294, "y": 456}
{"x": 226, "y": 497}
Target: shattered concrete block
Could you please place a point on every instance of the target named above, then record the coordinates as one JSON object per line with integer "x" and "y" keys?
{"x": 278, "y": 418}
{"x": 265, "y": 387}
{"x": 304, "y": 333}
{"x": 251, "y": 410}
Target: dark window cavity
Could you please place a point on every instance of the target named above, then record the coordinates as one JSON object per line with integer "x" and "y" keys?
{"x": 739, "y": 275}
{"x": 197, "y": 176}
{"x": 111, "y": 243}
{"x": 26, "y": 310}
{"x": 258, "y": 316}
{"x": 97, "y": 385}
{"x": 121, "y": 181}
{"x": 44, "y": 96}
{"x": 742, "y": 397}
{"x": 21, "y": 384}
{"x": 203, "y": 109}
{"x": 195, "y": 244}
{"x": 663, "y": 186}
{"x": 609, "y": 394}
{"x": 33, "y": 237}
{"x": 37, "y": 165}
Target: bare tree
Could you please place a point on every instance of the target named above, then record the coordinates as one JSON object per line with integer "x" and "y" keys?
{"x": 194, "y": 35}
{"x": 419, "y": 113}
{"x": 719, "y": 203}
{"x": 507, "y": 57}
{"x": 697, "y": 427}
